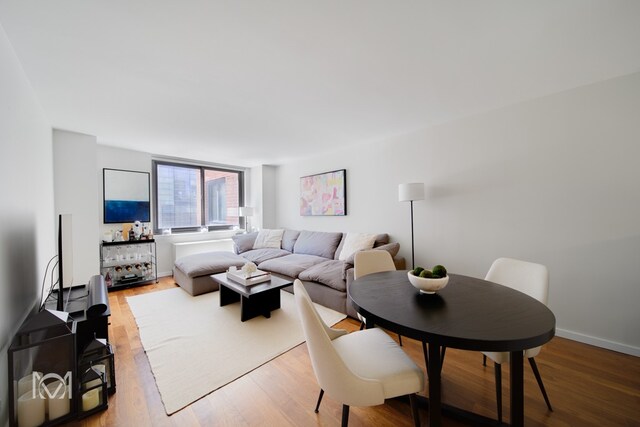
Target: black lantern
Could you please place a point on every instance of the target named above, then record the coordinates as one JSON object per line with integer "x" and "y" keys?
{"x": 99, "y": 355}
{"x": 92, "y": 392}
{"x": 42, "y": 367}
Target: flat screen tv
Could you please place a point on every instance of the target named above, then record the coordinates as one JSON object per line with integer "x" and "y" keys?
{"x": 126, "y": 196}
{"x": 65, "y": 257}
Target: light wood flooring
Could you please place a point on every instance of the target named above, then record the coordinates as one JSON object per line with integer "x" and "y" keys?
{"x": 588, "y": 386}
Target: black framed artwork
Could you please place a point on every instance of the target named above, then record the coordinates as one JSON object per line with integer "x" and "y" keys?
{"x": 126, "y": 196}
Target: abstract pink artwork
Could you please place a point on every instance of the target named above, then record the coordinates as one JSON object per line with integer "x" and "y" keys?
{"x": 324, "y": 194}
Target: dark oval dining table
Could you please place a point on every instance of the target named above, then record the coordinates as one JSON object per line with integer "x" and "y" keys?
{"x": 468, "y": 314}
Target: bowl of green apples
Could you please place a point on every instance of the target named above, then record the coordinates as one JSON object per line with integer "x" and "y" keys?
{"x": 428, "y": 281}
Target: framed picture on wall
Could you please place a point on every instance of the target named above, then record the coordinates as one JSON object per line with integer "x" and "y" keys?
{"x": 126, "y": 196}
{"x": 324, "y": 194}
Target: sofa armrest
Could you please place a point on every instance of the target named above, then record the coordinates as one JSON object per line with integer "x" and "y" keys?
{"x": 400, "y": 263}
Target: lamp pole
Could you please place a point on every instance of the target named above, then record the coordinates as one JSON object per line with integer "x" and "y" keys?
{"x": 412, "y": 248}
{"x": 409, "y": 193}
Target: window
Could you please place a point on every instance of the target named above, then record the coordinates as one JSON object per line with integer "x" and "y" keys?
{"x": 188, "y": 197}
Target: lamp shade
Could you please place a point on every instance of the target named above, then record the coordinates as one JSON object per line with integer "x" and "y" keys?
{"x": 245, "y": 211}
{"x": 411, "y": 191}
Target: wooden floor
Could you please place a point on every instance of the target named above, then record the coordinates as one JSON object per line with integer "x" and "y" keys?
{"x": 588, "y": 386}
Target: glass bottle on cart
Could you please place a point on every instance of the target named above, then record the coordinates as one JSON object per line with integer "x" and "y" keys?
{"x": 128, "y": 263}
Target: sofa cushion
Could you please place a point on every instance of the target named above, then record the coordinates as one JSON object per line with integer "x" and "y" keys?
{"x": 268, "y": 239}
{"x": 243, "y": 242}
{"x": 206, "y": 263}
{"x": 330, "y": 273}
{"x": 258, "y": 256}
{"x": 336, "y": 255}
{"x": 354, "y": 242}
{"x": 289, "y": 239}
{"x": 381, "y": 239}
{"x": 318, "y": 243}
{"x": 392, "y": 248}
{"x": 291, "y": 265}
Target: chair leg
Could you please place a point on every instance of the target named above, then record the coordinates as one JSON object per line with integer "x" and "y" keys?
{"x": 345, "y": 415}
{"x": 319, "y": 400}
{"x": 534, "y": 367}
{"x": 484, "y": 360}
{"x": 498, "y": 372}
{"x": 400, "y": 339}
{"x": 414, "y": 409}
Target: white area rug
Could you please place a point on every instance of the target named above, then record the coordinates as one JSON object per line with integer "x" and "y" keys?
{"x": 195, "y": 346}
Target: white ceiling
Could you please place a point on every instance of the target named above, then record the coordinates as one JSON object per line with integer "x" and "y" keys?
{"x": 257, "y": 81}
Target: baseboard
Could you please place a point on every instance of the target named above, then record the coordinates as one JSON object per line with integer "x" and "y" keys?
{"x": 599, "y": 342}
{"x": 165, "y": 274}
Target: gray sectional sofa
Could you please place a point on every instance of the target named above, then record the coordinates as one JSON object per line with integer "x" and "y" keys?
{"x": 311, "y": 256}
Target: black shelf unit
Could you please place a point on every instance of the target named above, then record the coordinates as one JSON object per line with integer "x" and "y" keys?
{"x": 129, "y": 263}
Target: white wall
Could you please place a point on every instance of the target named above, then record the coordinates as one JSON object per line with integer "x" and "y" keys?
{"x": 75, "y": 182}
{"x": 269, "y": 207}
{"x": 27, "y": 225}
{"x": 261, "y": 196}
{"x": 554, "y": 180}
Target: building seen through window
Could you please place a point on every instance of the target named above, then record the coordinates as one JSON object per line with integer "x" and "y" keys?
{"x": 188, "y": 197}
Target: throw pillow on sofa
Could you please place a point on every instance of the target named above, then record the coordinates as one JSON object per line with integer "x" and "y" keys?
{"x": 392, "y": 248}
{"x": 268, "y": 239}
{"x": 289, "y": 238}
{"x": 244, "y": 242}
{"x": 354, "y": 242}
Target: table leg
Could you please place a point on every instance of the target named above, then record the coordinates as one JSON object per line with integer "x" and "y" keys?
{"x": 517, "y": 388}
{"x": 272, "y": 299}
{"x": 227, "y": 296}
{"x": 260, "y": 304}
{"x": 435, "y": 402}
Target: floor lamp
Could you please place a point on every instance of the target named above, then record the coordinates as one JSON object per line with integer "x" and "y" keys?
{"x": 409, "y": 193}
{"x": 246, "y": 211}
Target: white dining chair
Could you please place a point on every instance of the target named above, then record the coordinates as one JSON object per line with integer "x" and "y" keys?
{"x": 369, "y": 262}
{"x": 533, "y": 280}
{"x": 344, "y": 367}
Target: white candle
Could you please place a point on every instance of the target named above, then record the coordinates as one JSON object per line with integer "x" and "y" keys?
{"x": 25, "y": 384}
{"x": 90, "y": 400}
{"x": 58, "y": 401}
{"x": 103, "y": 370}
{"x": 92, "y": 383}
{"x": 100, "y": 368}
{"x": 97, "y": 381}
{"x": 30, "y": 410}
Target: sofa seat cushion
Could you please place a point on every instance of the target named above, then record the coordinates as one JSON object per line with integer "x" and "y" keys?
{"x": 206, "y": 263}
{"x": 330, "y": 273}
{"x": 257, "y": 256}
{"x": 291, "y": 265}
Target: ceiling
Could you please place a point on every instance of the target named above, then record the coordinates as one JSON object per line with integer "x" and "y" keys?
{"x": 266, "y": 82}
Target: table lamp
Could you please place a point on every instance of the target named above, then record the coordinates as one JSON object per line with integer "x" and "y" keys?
{"x": 409, "y": 193}
{"x": 246, "y": 212}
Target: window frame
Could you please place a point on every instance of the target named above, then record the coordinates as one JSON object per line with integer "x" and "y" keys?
{"x": 202, "y": 168}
